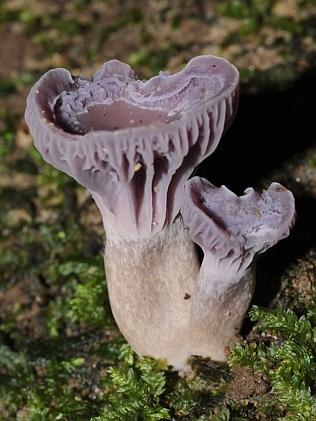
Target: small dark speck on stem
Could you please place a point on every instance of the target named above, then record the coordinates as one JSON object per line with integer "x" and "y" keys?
{"x": 187, "y": 296}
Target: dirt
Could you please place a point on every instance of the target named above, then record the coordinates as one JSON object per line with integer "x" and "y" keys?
{"x": 14, "y": 52}
{"x": 245, "y": 384}
{"x": 298, "y": 289}
{"x": 28, "y": 307}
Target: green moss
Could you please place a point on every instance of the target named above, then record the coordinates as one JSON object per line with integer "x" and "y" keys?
{"x": 251, "y": 13}
{"x": 285, "y": 355}
{"x": 129, "y": 16}
{"x": 82, "y": 297}
{"x": 154, "y": 59}
{"x": 137, "y": 386}
{"x": 8, "y": 123}
{"x": 41, "y": 389}
{"x": 16, "y": 374}
{"x": 141, "y": 57}
{"x": 61, "y": 379}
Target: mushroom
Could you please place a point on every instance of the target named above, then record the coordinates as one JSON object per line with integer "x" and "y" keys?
{"x": 231, "y": 231}
{"x": 133, "y": 144}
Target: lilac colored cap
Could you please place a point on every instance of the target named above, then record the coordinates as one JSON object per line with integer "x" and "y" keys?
{"x": 233, "y": 227}
{"x": 133, "y": 143}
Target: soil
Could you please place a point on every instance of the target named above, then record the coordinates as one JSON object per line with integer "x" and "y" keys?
{"x": 245, "y": 384}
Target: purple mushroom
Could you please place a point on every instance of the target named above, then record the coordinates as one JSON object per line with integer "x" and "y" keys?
{"x": 133, "y": 144}
{"x": 231, "y": 231}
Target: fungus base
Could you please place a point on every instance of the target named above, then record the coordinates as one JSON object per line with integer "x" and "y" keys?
{"x": 151, "y": 284}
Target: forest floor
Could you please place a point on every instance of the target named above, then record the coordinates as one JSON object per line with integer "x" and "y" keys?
{"x": 61, "y": 355}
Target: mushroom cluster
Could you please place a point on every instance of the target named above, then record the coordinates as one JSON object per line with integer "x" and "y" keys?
{"x": 134, "y": 144}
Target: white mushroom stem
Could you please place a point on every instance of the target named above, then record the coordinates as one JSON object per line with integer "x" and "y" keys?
{"x": 151, "y": 284}
{"x": 220, "y": 302}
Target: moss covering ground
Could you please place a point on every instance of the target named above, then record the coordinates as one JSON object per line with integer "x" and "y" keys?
{"x": 61, "y": 355}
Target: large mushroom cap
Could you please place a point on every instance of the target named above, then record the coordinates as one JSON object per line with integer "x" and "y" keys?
{"x": 233, "y": 227}
{"x": 132, "y": 143}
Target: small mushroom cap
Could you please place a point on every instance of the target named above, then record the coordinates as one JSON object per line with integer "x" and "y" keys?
{"x": 233, "y": 227}
{"x": 133, "y": 143}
